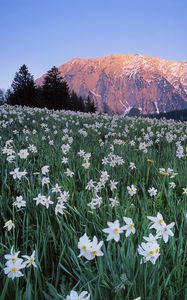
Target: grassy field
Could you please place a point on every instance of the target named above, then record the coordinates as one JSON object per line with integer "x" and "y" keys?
{"x": 77, "y": 172}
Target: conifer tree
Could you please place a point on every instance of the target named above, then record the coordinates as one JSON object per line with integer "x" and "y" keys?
{"x": 90, "y": 105}
{"x": 23, "y": 88}
{"x": 1, "y": 96}
{"x": 55, "y": 90}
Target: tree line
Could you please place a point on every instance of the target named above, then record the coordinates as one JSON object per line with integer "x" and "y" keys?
{"x": 54, "y": 93}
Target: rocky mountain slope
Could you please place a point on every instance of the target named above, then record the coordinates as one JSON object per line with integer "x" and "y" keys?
{"x": 119, "y": 82}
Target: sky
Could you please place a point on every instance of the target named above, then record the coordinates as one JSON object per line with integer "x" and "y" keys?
{"x": 44, "y": 33}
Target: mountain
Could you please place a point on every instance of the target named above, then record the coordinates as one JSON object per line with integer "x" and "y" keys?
{"x": 119, "y": 82}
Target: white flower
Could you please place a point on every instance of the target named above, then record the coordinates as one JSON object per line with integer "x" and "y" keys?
{"x": 45, "y": 170}
{"x": 32, "y": 148}
{"x": 113, "y": 202}
{"x": 151, "y": 238}
{"x": 152, "y": 191}
{"x": 129, "y": 228}
{"x": 149, "y": 251}
{"x": 95, "y": 248}
{"x": 9, "y": 225}
{"x": 40, "y": 199}
{"x": 90, "y": 185}
{"x": 56, "y": 188}
{"x": 12, "y": 269}
{"x": 172, "y": 185}
{"x": 30, "y": 260}
{"x": 113, "y": 231}
{"x": 13, "y": 256}
{"x": 89, "y": 249}
{"x": 23, "y": 153}
{"x": 113, "y": 185}
{"x": 65, "y": 160}
{"x": 84, "y": 245}
{"x": 104, "y": 176}
{"x": 10, "y": 158}
{"x": 69, "y": 173}
{"x": 86, "y": 164}
{"x": 47, "y": 201}
{"x": 45, "y": 180}
{"x": 65, "y": 148}
{"x": 19, "y": 202}
{"x": 51, "y": 142}
{"x": 132, "y": 190}
{"x": 75, "y": 296}
{"x": 59, "y": 208}
{"x": 86, "y": 156}
{"x": 165, "y": 231}
{"x": 81, "y": 153}
{"x": 63, "y": 197}
{"x": 17, "y": 174}
{"x": 156, "y": 222}
{"x": 96, "y": 202}
{"x": 185, "y": 191}
{"x": 132, "y": 166}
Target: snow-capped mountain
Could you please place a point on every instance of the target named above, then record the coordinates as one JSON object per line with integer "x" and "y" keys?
{"x": 119, "y": 82}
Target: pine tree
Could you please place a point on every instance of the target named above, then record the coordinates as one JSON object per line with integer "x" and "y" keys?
{"x": 90, "y": 105}
{"x": 2, "y": 97}
{"x": 23, "y": 88}
{"x": 55, "y": 90}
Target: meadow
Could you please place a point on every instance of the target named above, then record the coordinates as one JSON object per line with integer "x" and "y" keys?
{"x": 92, "y": 206}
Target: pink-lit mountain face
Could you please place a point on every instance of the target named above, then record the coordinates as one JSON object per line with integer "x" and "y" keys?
{"x": 119, "y": 82}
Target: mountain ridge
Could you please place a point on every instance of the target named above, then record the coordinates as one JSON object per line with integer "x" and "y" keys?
{"x": 119, "y": 82}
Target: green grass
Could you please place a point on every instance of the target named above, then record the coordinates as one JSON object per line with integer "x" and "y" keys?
{"x": 118, "y": 274}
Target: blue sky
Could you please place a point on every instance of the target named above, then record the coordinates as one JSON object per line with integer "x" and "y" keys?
{"x": 43, "y": 33}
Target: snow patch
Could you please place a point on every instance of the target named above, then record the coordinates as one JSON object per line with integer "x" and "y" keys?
{"x": 157, "y": 110}
{"x": 96, "y": 95}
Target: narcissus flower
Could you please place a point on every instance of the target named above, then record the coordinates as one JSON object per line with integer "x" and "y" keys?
{"x": 84, "y": 245}
{"x": 9, "y": 225}
{"x": 165, "y": 231}
{"x": 113, "y": 231}
{"x": 132, "y": 190}
{"x": 12, "y": 269}
{"x": 45, "y": 170}
{"x": 13, "y": 256}
{"x": 96, "y": 248}
{"x": 156, "y": 222}
{"x": 152, "y": 191}
{"x": 23, "y": 153}
{"x": 149, "y": 251}
{"x": 75, "y": 296}
{"x": 30, "y": 260}
{"x": 19, "y": 202}
{"x": 129, "y": 227}
{"x": 89, "y": 249}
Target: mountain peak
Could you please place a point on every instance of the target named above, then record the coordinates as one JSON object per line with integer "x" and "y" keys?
{"x": 118, "y": 82}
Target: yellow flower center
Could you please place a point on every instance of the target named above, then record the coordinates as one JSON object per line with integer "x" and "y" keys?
{"x": 157, "y": 250}
{"x": 84, "y": 248}
{"x": 161, "y": 221}
{"x": 151, "y": 252}
{"x": 164, "y": 173}
{"x": 13, "y": 259}
{"x": 116, "y": 230}
{"x": 131, "y": 226}
{"x": 94, "y": 253}
{"x": 13, "y": 269}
